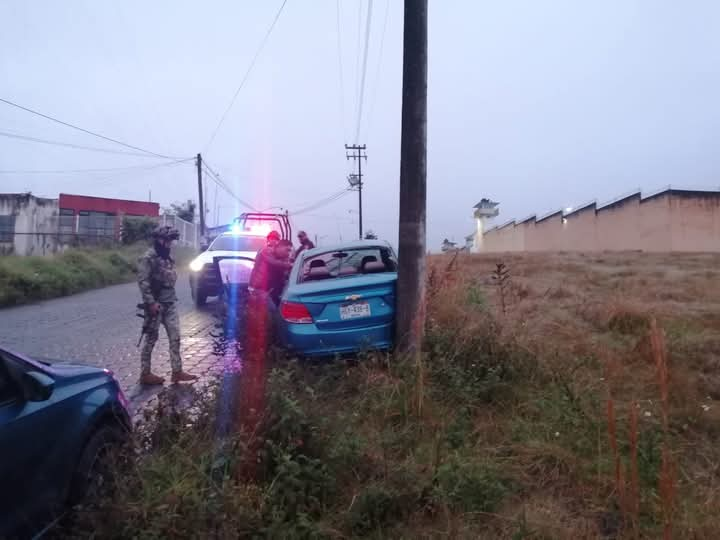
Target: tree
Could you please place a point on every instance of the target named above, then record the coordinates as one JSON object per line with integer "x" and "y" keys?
{"x": 185, "y": 211}
{"x": 137, "y": 229}
{"x": 370, "y": 235}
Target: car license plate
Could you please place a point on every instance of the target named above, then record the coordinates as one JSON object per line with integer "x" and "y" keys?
{"x": 354, "y": 311}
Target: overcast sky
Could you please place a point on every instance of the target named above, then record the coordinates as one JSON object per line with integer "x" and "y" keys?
{"x": 536, "y": 104}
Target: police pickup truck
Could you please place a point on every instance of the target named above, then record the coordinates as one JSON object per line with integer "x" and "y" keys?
{"x": 240, "y": 248}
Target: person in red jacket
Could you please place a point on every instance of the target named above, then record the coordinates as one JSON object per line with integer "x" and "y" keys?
{"x": 267, "y": 281}
{"x": 269, "y": 272}
{"x": 272, "y": 239}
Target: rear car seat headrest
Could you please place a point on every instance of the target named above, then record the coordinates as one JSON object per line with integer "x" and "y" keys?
{"x": 318, "y": 272}
{"x": 347, "y": 271}
{"x": 373, "y": 267}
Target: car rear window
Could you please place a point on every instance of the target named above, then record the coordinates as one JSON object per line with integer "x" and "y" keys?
{"x": 347, "y": 263}
{"x": 237, "y": 243}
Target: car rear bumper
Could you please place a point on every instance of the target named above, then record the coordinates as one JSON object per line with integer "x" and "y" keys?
{"x": 308, "y": 340}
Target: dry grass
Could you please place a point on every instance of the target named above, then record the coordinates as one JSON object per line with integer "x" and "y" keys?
{"x": 557, "y": 396}
{"x": 639, "y": 333}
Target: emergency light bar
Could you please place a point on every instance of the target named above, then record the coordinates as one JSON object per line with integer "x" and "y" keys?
{"x": 248, "y": 223}
{"x": 257, "y": 230}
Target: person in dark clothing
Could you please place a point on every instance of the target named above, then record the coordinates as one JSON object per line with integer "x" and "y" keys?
{"x": 305, "y": 244}
{"x": 157, "y": 276}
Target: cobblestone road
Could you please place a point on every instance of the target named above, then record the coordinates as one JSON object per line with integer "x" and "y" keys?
{"x": 100, "y": 328}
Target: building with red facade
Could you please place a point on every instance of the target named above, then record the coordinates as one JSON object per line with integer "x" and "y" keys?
{"x": 31, "y": 225}
{"x": 98, "y": 216}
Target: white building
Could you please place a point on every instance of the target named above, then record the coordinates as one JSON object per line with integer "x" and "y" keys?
{"x": 485, "y": 210}
{"x": 28, "y": 224}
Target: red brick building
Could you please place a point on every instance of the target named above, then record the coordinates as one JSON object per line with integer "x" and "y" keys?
{"x": 98, "y": 216}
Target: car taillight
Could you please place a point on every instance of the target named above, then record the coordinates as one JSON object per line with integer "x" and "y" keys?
{"x": 295, "y": 313}
{"x": 122, "y": 399}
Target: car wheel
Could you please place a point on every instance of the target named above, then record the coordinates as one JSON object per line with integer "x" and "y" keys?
{"x": 200, "y": 298}
{"x": 101, "y": 456}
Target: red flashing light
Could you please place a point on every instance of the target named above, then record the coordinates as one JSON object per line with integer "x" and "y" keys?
{"x": 296, "y": 313}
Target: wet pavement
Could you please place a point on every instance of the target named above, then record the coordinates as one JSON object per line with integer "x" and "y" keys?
{"x": 100, "y": 328}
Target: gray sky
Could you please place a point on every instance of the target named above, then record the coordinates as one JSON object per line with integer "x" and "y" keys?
{"x": 536, "y": 104}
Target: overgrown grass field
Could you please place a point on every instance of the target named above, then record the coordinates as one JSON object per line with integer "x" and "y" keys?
{"x": 28, "y": 279}
{"x": 562, "y": 396}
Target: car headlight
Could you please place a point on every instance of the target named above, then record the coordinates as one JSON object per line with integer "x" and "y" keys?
{"x": 196, "y": 265}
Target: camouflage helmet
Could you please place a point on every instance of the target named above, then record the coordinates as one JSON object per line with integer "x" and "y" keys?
{"x": 166, "y": 232}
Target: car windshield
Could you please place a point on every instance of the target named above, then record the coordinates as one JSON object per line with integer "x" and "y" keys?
{"x": 237, "y": 243}
{"x": 347, "y": 263}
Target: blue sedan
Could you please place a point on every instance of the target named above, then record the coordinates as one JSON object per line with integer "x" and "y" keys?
{"x": 340, "y": 300}
{"x": 56, "y": 422}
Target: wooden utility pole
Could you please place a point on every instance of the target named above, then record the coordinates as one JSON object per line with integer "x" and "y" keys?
{"x": 410, "y": 324}
{"x": 356, "y": 179}
{"x": 200, "y": 195}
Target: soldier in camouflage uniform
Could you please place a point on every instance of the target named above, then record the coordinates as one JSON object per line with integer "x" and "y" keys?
{"x": 157, "y": 277}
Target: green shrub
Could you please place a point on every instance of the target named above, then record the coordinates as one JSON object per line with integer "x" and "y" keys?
{"x": 476, "y": 297}
{"x": 299, "y": 489}
{"x": 135, "y": 229}
{"x": 346, "y": 455}
{"x": 558, "y": 415}
{"x": 469, "y": 487}
{"x": 459, "y": 432}
{"x": 375, "y": 508}
{"x": 28, "y": 279}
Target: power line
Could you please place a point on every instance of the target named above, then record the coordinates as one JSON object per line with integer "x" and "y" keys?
{"x": 318, "y": 205}
{"x": 335, "y": 218}
{"x": 75, "y": 146}
{"x": 216, "y": 178}
{"x": 281, "y": 208}
{"x": 357, "y": 56}
{"x": 223, "y": 185}
{"x": 364, "y": 70}
{"x": 377, "y": 71}
{"x": 215, "y": 207}
{"x": 322, "y": 202}
{"x": 152, "y": 167}
{"x": 83, "y": 129}
{"x": 349, "y": 220}
{"x": 78, "y": 171}
{"x": 310, "y": 203}
{"x": 340, "y": 70}
{"x": 245, "y": 77}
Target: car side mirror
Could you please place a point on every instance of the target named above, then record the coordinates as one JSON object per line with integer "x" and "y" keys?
{"x": 37, "y": 386}
{"x": 203, "y": 247}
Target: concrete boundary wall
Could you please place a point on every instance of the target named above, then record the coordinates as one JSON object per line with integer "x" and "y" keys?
{"x": 669, "y": 220}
